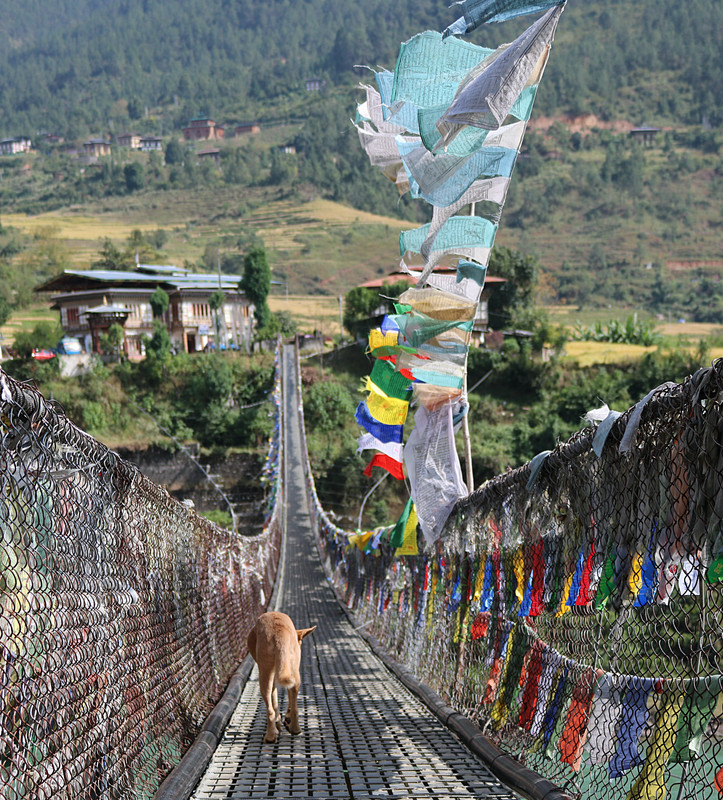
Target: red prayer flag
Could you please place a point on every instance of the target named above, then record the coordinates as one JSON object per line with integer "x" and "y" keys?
{"x": 393, "y": 467}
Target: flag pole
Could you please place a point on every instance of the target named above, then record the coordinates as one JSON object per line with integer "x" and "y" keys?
{"x": 465, "y": 419}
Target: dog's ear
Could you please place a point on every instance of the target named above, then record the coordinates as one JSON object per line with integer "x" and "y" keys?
{"x": 304, "y": 632}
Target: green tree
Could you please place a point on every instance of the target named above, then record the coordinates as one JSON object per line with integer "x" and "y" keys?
{"x": 160, "y": 343}
{"x": 154, "y": 367}
{"x": 159, "y": 301}
{"x": 207, "y": 399}
{"x": 134, "y": 175}
{"x": 328, "y": 406}
{"x": 139, "y": 248}
{"x": 215, "y": 302}
{"x": 256, "y": 283}
{"x": 112, "y": 342}
{"x": 174, "y": 152}
{"x": 520, "y": 271}
{"x": 360, "y": 303}
{"x": 112, "y": 257}
{"x": 5, "y": 310}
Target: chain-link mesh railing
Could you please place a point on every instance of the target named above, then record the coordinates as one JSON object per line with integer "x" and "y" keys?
{"x": 573, "y": 609}
{"x": 123, "y": 613}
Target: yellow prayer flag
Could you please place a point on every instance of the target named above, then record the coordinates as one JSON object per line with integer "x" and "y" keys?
{"x": 361, "y": 539}
{"x": 565, "y": 595}
{"x": 387, "y": 410}
{"x": 518, "y": 564}
{"x": 479, "y": 581}
{"x": 635, "y": 579}
{"x": 379, "y": 339}
{"x": 409, "y": 545}
{"x": 650, "y": 783}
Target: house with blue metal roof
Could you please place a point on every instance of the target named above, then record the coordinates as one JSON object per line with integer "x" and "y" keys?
{"x": 91, "y": 300}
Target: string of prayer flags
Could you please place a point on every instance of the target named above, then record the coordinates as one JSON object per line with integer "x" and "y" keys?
{"x": 478, "y": 12}
{"x": 438, "y": 127}
{"x": 486, "y": 97}
{"x": 384, "y": 411}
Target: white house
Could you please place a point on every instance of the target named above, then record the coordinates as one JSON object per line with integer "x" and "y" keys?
{"x": 89, "y": 301}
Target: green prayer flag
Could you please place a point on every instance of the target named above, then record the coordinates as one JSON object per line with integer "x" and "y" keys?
{"x": 607, "y": 581}
{"x": 698, "y": 706}
{"x": 391, "y": 382}
{"x": 397, "y": 536}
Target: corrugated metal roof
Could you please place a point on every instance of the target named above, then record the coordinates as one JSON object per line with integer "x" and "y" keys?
{"x": 163, "y": 276}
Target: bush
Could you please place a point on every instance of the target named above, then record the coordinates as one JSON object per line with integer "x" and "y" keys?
{"x": 94, "y": 417}
{"x": 44, "y": 336}
{"x": 327, "y": 406}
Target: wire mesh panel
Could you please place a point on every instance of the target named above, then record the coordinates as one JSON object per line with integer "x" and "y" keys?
{"x": 122, "y": 612}
{"x": 573, "y": 608}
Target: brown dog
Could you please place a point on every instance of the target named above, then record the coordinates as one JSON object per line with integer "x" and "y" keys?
{"x": 275, "y": 645}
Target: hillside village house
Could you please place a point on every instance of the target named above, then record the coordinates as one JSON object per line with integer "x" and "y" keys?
{"x": 90, "y": 301}
{"x": 19, "y": 144}
{"x": 203, "y": 128}
{"x": 151, "y": 143}
{"x": 95, "y": 148}
{"x": 209, "y": 154}
{"x": 481, "y": 320}
{"x": 247, "y": 127}
{"x": 132, "y": 140}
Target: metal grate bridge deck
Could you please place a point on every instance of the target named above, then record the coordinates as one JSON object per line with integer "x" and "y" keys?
{"x": 364, "y": 735}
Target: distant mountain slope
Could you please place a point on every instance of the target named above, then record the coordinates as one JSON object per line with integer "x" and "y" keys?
{"x": 82, "y": 66}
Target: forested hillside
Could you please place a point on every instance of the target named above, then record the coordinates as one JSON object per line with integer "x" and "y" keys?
{"x": 76, "y": 68}
{"x": 611, "y": 221}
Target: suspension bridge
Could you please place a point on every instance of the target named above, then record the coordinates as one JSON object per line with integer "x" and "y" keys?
{"x": 492, "y": 665}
